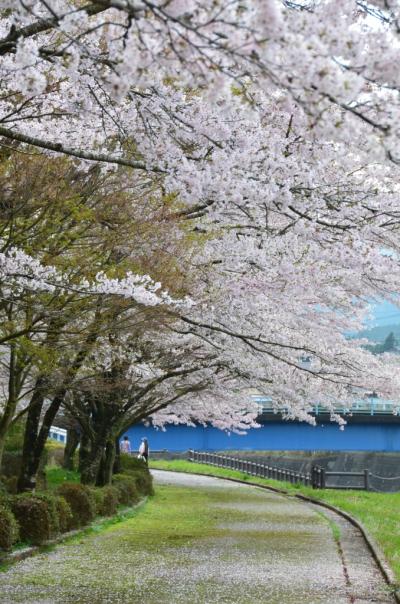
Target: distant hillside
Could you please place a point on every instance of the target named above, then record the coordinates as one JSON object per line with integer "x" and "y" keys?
{"x": 379, "y": 334}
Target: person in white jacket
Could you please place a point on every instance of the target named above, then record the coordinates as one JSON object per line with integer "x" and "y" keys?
{"x": 144, "y": 450}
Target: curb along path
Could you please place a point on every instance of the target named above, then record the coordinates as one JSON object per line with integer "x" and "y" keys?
{"x": 204, "y": 540}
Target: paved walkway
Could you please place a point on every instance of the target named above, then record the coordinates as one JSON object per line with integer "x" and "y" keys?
{"x": 213, "y": 542}
{"x": 293, "y": 555}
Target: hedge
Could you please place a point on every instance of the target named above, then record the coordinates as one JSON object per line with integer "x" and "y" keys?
{"x": 128, "y": 492}
{"x": 52, "y": 507}
{"x": 138, "y": 469}
{"x": 33, "y": 517}
{"x": 37, "y": 517}
{"x": 96, "y": 496}
{"x": 82, "y": 505}
{"x": 64, "y": 513}
{"x": 9, "y": 531}
{"x": 110, "y": 501}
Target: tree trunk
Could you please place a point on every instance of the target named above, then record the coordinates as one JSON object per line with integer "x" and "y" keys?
{"x": 91, "y": 463}
{"x": 117, "y": 462}
{"x": 36, "y": 439}
{"x": 84, "y": 450}
{"x": 107, "y": 463}
{"x": 25, "y": 480}
{"x": 34, "y": 443}
{"x": 5, "y": 424}
{"x": 10, "y": 406}
{"x": 73, "y": 437}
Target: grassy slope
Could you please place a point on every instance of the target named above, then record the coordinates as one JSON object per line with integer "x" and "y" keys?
{"x": 378, "y": 512}
{"x": 57, "y": 476}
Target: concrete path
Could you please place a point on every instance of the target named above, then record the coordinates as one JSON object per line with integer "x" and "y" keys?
{"x": 213, "y": 542}
{"x": 296, "y": 552}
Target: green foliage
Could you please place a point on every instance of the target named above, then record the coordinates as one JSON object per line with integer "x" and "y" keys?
{"x": 96, "y": 497}
{"x": 82, "y": 506}
{"x": 139, "y": 470}
{"x": 34, "y": 518}
{"x": 58, "y": 476}
{"x": 64, "y": 513}
{"x": 40, "y": 516}
{"x": 15, "y": 437}
{"x": 52, "y": 507}
{"x": 125, "y": 484}
{"x": 11, "y": 484}
{"x": 110, "y": 501}
{"x": 8, "y": 528}
{"x": 143, "y": 481}
{"x": 129, "y": 463}
{"x": 55, "y": 453}
{"x": 11, "y": 463}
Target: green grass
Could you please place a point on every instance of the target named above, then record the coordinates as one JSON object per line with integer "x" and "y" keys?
{"x": 378, "y": 512}
{"x": 57, "y": 476}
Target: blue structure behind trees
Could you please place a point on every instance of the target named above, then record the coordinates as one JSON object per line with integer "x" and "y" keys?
{"x": 280, "y": 435}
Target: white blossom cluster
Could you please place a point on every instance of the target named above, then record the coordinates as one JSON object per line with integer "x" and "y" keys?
{"x": 276, "y": 126}
{"x": 19, "y": 271}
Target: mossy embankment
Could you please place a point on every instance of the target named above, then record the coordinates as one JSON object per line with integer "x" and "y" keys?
{"x": 378, "y": 512}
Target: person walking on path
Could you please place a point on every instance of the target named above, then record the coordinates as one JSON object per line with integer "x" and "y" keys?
{"x": 125, "y": 446}
{"x": 144, "y": 450}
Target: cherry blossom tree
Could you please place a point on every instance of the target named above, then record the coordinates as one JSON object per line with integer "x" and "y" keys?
{"x": 68, "y": 271}
{"x": 273, "y": 127}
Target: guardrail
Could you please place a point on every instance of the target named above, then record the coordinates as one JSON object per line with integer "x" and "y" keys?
{"x": 318, "y": 478}
{"x": 372, "y": 406}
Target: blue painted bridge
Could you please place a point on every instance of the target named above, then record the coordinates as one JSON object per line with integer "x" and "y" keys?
{"x": 371, "y": 427}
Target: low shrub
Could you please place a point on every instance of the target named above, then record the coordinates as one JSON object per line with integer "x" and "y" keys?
{"x": 131, "y": 463}
{"x": 139, "y": 470}
{"x": 3, "y": 490}
{"x": 64, "y": 513}
{"x": 11, "y": 484}
{"x": 110, "y": 501}
{"x": 52, "y": 506}
{"x": 144, "y": 482}
{"x": 9, "y": 531}
{"x": 34, "y": 518}
{"x": 96, "y": 496}
{"x": 128, "y": 493}
{"x": 11, "y": 463}
{"x": 82, "y": 506}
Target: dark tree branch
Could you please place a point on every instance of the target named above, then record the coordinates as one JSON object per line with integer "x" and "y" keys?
{"x": 79, "y": 153}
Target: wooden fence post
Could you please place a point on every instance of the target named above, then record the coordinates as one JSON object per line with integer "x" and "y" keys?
{"x": 366, "y": 480}
{"x": 323, "y": 478}
{"x": 314, "y": 477}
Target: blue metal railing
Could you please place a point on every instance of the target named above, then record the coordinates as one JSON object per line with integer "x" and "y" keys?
{"x": 370, "y": 406}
